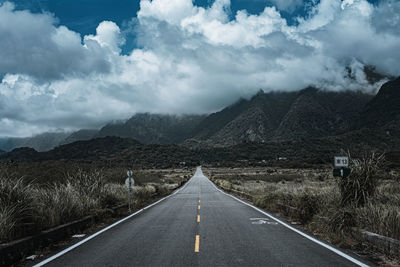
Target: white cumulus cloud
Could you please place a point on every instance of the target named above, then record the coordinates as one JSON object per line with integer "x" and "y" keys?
{"x": 188, "y": 59}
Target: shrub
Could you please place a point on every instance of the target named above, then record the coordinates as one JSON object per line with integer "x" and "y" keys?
{"x": 141, "y": 195}
{"x": 308, "y": 205}
{"x": 361, "y": 183}
{"x": 343, "y": 219}
{"x": 112, "y": 195}
{"x": 162, "y": 190}
{"x": 7, "y": 222}
{"x": 380, "y": 218}
{"x": 59, "y": 204}
{"x": 16, "y": 200}
{"x": 87, "y": 183}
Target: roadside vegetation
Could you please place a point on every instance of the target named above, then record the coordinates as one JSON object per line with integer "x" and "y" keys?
{"x": 328, "y": 207}
{"x": 35, "y": 197}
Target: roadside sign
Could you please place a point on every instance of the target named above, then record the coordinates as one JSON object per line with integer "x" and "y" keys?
{"x": 341, "y": 172}
{"x": 129, "y": 182}
{"x": 341, "y": 161}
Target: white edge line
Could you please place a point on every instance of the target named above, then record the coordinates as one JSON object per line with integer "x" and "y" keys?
{"x": 344, "y": 255}
{"x": 59, "y": 254}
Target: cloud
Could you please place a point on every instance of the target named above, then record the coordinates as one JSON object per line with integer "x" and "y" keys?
{"x": 287, "y": 5}
{"x": 188, "y": 59}
{"x": 32, "y": 44}
{"x": 108, "y": 35}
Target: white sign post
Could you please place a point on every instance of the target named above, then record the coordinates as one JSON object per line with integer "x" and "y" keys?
{"x": 129, "y": 182}
{"x": 341, "y": 167}
{"x": 341, "y": 161}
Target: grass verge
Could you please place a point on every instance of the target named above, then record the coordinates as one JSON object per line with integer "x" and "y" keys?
{"x": 29, "y": 205}
{"x": 312, "y": 199}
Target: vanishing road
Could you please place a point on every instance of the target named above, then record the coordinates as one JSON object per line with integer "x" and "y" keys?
{"x": 199, "y": 225}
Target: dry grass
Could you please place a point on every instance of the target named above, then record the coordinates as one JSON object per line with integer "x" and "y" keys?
{"x": 27, "y": 206}
{"x": 318, "y": 200}
{"x": 361, "y": 184}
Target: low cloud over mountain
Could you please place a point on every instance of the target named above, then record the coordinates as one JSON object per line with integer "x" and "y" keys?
{"x": 187, "y": 59}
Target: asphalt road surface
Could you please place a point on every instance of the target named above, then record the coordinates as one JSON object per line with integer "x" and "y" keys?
{"x": 200, "y": 225}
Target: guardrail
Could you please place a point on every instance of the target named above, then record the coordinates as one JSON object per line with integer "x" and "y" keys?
{"x": 382, "y": 243}
{"x": 15, "y": 250}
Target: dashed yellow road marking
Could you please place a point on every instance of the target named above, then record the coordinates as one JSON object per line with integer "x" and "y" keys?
{"x": 199, "y": 200}
{"x": 198, "y": 207}
{"x": 198, "y": 218}
{"x": 197, "y": 244}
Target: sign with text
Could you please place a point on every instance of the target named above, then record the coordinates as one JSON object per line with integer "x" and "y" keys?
{"x": 341, "y": 161}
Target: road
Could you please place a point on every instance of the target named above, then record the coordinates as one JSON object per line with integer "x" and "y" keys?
{"x": 200, "y": 225}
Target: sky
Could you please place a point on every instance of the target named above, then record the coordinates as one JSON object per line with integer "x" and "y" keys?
{"x": 72, "y": 64}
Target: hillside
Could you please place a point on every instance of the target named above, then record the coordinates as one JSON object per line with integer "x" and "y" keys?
{"x": 317, "y": 113}
{"x": 310, "y": 113}
{"x": 129, "y": 152}
{"x": 109, "y": 150}
{"x": 81, "y": 135}
{"x": 145, "y": 127}
{"x": 384, "y": 108}
{"x": 41, "y": 142}
{"x": 253, "y": 120}
{"x": 154, "y": 128}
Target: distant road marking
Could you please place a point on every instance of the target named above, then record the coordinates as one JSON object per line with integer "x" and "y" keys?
{"x": 340, "y": 253}
{"x": 199, "y": 200}
{"x": 197, "y": 244}
{"x": 198, "y": 218}
{"x": 198, "y": 207}
{"x": 59, "y": 254}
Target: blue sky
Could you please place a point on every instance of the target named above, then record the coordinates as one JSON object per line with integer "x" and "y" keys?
{"x": 84, "y": 16}
{"x": 69, "y": 64}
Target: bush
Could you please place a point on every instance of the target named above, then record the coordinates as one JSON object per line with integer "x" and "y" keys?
{"x": 112, "y": 195}
{"x": 141, "y": 195}
{"x": 361, "y": 183}
{"x": 380, "y": 218}
{"x": 308, "y": 205}
{"x": 16, "y": 206}
{"x": 162, "y": 190}
{"x": 7, "y": 222}
{"x": 343, "y": 219}
{"x": 59, "y": 204}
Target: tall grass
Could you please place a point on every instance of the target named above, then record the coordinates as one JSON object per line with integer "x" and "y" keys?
{"x": 372, "y": 204}
{"x": 16, "y": 206}
{"x": 361, "y": 184}
{"x": 39, "y": 206}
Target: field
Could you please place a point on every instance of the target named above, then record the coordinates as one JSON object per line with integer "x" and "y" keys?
{"x": 38, "y": 196}
{"x": 312, "y": 199}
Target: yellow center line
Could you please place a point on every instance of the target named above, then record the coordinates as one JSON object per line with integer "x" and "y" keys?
{"x": 199, "y": 200}
{"x": 197, "y": 244}
{"x": 198, "y": 207}
{"x": 198, "y": 218}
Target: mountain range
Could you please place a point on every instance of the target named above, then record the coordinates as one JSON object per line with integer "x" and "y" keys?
{"x": 266, "y": 117}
